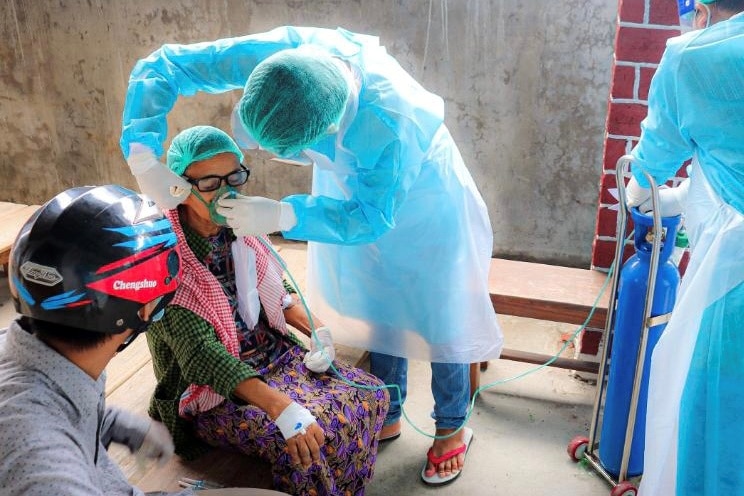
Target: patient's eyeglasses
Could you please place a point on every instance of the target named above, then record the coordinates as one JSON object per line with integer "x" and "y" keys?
{"x": 213, "y": 182}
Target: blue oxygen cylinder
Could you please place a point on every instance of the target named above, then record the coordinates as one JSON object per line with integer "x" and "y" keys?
{"x": 631, "y": 293}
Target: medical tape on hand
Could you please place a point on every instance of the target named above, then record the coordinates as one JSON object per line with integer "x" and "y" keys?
{"x": 321, "y": 353}
{"x": 294, "y": 420}
{"x": 317, "y": 361}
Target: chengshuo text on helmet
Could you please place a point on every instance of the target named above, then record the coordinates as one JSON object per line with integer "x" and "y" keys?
{"x": 134, "y": 285}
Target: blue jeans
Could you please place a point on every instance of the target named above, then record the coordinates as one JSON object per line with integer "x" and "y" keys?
{"x": 450, "y": 386}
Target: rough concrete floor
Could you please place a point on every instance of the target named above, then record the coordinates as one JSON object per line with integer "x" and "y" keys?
{"x": 521, "y": 428}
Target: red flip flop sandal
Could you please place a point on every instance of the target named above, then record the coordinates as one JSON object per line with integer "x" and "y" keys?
{"x": 435, "y": 480}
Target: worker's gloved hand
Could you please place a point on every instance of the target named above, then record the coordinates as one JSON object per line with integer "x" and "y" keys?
{"x": 155, "y": 179}
{"x": 635, "y": 194}
{"x": 671, "y": 200}
{"x": 158, "y": 444}
{"x": 322, "y": 352}
{"x": 255, "y": 215}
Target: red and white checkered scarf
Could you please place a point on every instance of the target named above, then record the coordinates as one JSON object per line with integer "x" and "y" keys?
{"x": 201, "y": 293}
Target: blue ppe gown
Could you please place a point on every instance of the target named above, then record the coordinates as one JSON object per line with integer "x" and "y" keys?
{"x": 400, "y": 239}
{"x": 696, "y": 389}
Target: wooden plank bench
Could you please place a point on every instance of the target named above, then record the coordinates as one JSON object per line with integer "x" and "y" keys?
{"x": 12, "y": 218}
{"x": 545, "y": 292}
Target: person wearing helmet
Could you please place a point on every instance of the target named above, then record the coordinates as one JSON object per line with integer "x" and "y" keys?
{"x": 87, "y": 272}
{"x": 229, "y": 371}
{"x": 693, "y": 429}
{"x": 399, "y": 237}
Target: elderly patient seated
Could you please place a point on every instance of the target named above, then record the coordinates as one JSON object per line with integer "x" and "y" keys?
{"x": 229, "y": 372}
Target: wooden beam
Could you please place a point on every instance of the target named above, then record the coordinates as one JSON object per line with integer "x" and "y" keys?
{"x": 540, "y": 358}
{"x": 548, "y": 292}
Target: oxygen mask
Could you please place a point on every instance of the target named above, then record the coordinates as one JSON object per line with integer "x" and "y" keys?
{"x": 224, "y": 192}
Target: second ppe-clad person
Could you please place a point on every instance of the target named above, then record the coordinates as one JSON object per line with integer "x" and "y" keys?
{"x": 696, "y": 104}
{"x": 400, "y": 239}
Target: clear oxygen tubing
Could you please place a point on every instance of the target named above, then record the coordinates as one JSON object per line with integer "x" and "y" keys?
{"x": 479, "y": 389}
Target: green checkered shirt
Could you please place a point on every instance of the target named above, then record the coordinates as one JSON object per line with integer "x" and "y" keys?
{"x": 185, "y": 350}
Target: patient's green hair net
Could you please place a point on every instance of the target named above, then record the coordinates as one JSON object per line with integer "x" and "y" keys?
{"x": 199, "y": 143}
{"x": 292, "y": 98}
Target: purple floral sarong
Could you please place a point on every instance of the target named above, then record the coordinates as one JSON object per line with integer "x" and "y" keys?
{"x": 351, "y": 418}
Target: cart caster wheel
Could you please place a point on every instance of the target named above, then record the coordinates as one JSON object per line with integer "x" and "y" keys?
{"x": 577, "y": 447}
{"x": 625, "y": 488}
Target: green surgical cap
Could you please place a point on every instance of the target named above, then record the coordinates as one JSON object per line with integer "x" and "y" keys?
{"x": 292, "y": 98}
{"x": 199, "y": 143}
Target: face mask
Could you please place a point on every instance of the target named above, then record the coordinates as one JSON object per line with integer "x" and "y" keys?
{"x": 158, "y": 315}
{"x": 704, "y": 7}
{"x": 223, "y": 192}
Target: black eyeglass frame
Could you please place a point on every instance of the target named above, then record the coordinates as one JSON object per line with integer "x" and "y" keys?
{"x": 222, "y": 179}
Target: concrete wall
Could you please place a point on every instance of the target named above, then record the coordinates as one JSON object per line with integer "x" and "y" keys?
{"x": 525, "y": 85}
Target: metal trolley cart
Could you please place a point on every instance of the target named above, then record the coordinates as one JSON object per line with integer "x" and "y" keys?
{"x": 583, "y": 448}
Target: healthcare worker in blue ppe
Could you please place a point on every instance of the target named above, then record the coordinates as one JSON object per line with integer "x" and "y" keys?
{"x": 696, "y": 391}
{"x": 400, "y": 239}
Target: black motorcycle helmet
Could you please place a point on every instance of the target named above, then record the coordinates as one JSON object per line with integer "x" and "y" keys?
{"x": 91, "y": 258}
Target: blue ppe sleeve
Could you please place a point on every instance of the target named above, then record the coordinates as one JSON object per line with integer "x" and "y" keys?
{"x": 157, "y": 81}
{"x": 364, "y": 218}
{"x": 394, "y": 133}
{"x": 664, "y": 145}
{"x": 390, "y": 147}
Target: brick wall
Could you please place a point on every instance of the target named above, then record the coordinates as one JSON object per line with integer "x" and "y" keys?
{"x": 643, "y": 26}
